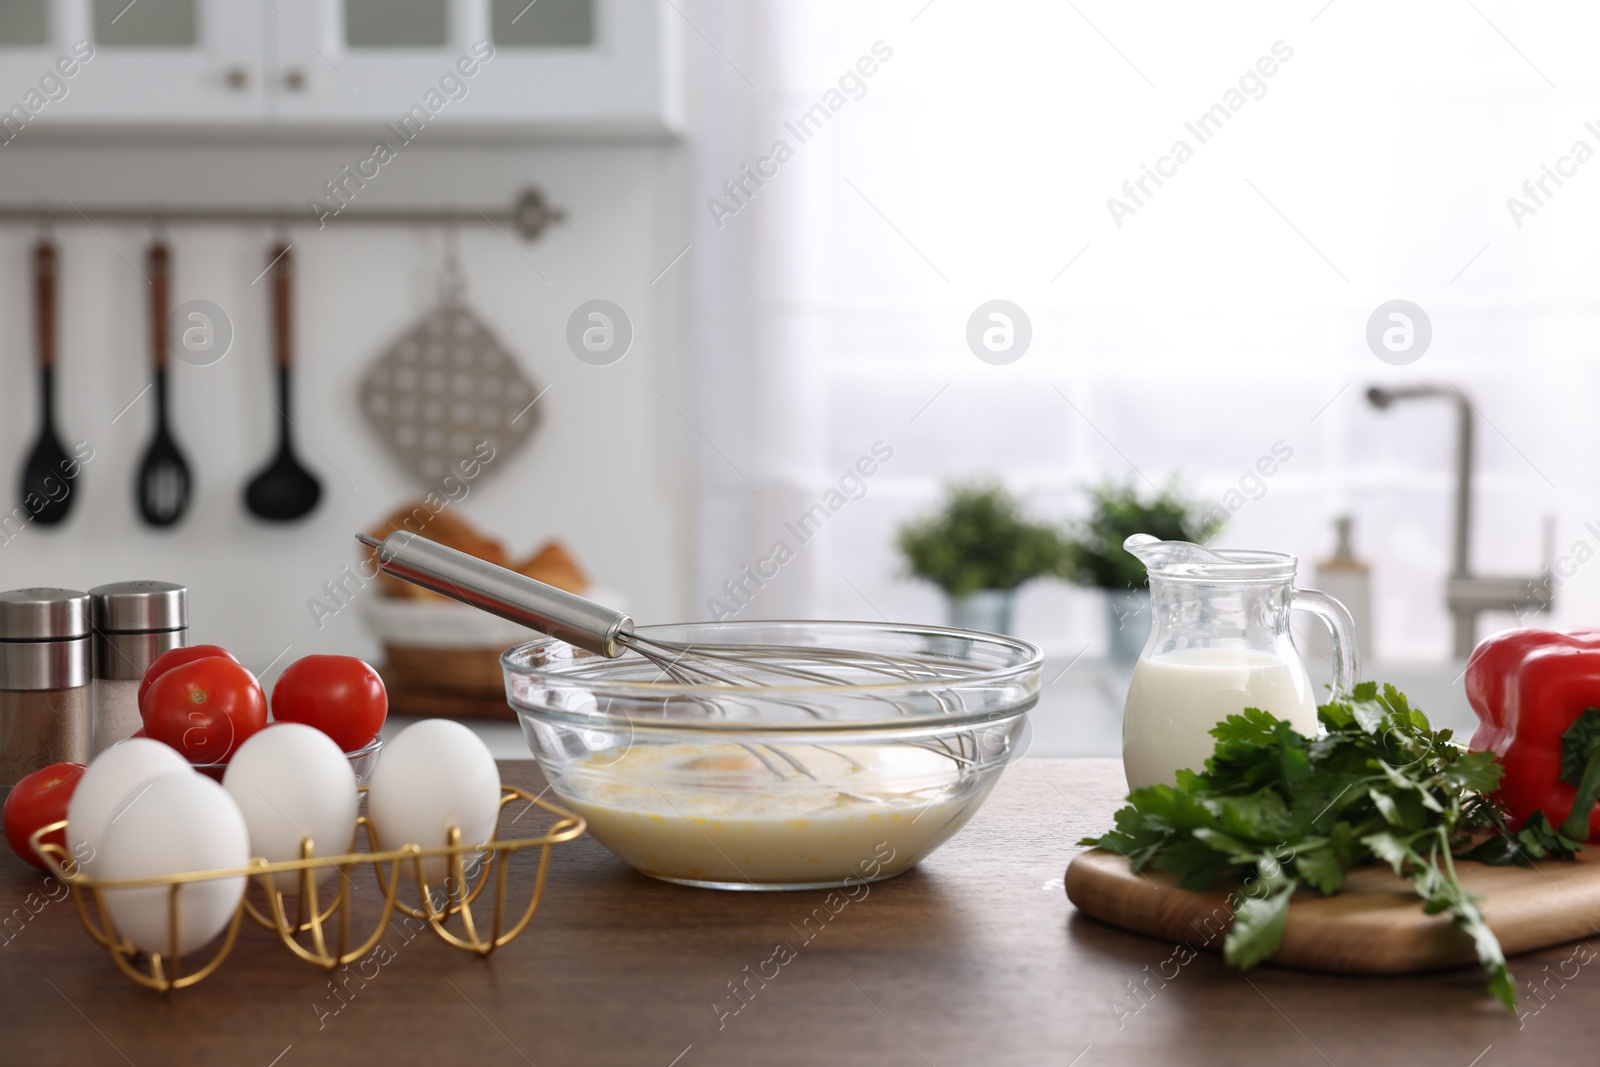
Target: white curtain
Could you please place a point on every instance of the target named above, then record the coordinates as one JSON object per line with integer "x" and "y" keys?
{"x": 1222, "y": 316}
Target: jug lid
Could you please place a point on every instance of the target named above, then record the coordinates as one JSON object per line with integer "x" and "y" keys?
{"x": 1185, "y": 559}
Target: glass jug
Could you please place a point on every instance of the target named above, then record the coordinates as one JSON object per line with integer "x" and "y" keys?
{"x": 1219, "y": 643}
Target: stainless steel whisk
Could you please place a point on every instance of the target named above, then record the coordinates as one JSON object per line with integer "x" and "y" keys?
{"x": 610, "y": 633}
{"x": 724, "y": 666}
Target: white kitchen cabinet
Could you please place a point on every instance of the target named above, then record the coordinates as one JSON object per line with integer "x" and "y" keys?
{"x": 583, "y": 63}
{"x": 502, "y": 66}
{"x": 173, "y": 61}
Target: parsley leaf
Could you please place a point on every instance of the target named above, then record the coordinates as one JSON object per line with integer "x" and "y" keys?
{"x": 1257, "y": 929}
{"x": 1281, "y": 812}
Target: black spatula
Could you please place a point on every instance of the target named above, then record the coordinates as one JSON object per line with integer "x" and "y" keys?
{"x": 285, "y": 491}
{"x": 47, "y": 476}
{"x": 163, "y": 485}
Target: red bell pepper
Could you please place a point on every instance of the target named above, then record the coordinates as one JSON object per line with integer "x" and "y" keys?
{"x": 1534, "y": 691}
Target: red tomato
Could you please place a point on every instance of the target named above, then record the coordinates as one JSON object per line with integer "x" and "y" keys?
{"x": 340, "y": 695}
{"x": 39, "y": 800}
{"x": 172, "y": 657}
{"x": 205, "y": 709}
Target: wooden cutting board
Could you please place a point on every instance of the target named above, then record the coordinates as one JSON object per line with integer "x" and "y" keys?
{"x": 1376, "y": 926}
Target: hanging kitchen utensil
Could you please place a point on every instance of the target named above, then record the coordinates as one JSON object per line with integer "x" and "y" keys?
{"x": 446, "y": 387}
{"x": 47, "y": 476}
{"x": 163, "y": 486}
{"x": 285, "y": 490}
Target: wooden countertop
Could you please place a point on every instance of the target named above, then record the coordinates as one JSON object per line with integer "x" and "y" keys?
{"x": 975, "y": 957}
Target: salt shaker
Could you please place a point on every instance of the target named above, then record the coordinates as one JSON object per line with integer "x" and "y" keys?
{"x": 45, "y": 714}
{"x": 134, "y": 622}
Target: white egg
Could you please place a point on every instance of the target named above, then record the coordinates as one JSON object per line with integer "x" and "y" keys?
{"x": 112, "y": 777}
{"x": 172, "y": 824}
{"x": 291, "y": 782}
{"x": 436, "y": 774}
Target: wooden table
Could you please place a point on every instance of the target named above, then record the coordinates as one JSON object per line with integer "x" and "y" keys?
{"x": 973, "y": 958}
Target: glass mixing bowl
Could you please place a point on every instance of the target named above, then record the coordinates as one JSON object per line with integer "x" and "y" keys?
{"x": 799, "y": 784}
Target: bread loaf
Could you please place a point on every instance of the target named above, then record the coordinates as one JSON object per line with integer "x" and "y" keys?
{"x": 443, "y": 527}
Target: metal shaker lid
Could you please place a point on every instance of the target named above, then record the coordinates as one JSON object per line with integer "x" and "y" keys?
{"x": 139, "y": 607}
{"x": 43, "y": 614}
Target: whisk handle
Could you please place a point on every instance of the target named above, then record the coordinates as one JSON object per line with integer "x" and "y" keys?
{"x": 563, "y": 615}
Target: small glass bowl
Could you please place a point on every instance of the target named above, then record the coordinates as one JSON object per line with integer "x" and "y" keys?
{"x": 363, "y": 761}
{"x": 802, "y": 785}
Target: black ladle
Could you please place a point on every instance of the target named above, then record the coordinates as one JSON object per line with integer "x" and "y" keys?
{"x": 48, "y": 474}
{"x": 285, "y": 490}
{"x": 163, "y": 485}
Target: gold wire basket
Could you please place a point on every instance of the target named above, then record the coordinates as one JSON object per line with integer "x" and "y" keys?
{"x": 319, "y": 932}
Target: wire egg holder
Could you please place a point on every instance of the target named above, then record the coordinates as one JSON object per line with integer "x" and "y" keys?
{"x": 164, "y": 971}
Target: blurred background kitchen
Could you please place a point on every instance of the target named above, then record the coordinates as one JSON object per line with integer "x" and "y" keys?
{"x": 800, "y": 217}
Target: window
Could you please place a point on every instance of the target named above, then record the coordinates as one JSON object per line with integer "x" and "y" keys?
{"x": 1190, "y": 308}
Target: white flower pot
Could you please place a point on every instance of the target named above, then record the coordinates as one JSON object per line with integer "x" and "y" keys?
{"x": 988, "y": 610}
{"x": 1127, "y": 623}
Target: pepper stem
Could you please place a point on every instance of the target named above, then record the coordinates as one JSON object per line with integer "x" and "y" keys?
{"x": 1580, "y": 767}
{"x": 1576, "y": 825}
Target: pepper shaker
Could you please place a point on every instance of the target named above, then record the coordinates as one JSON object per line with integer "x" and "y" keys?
{"x": 134, "y": 622}
{"x": 45, "y": 713}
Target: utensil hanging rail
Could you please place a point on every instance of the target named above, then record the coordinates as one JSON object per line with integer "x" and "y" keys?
{"x": 529, "y": 215}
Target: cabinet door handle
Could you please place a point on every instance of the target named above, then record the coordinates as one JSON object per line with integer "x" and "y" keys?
{"x": 294, "y": 79}
{"x": 236, "y": 78}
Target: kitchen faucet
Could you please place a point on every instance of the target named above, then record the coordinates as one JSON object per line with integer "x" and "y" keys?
{"x": 1467, "y": 595}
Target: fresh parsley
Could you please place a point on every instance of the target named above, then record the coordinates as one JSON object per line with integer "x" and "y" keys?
{"x": 1281, "y": 810}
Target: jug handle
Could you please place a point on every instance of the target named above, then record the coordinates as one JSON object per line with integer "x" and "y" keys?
{"x": 1346, "y": 657}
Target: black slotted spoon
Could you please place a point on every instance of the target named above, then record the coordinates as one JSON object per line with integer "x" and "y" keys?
{"x": 163, "y": 485}
{"x": 284, "y": 490}
{"x": 47, "y": 476}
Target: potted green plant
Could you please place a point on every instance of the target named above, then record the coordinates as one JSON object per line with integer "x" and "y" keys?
{"x": 979, "y": 547}
{"x": 1094, "y": 555}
